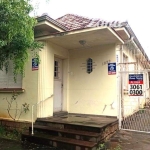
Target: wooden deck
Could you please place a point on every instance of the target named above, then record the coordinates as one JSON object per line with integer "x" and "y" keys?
{"x": 84, "y": 120}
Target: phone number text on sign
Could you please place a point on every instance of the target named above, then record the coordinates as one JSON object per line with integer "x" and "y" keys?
{"x": 135, "y": 84}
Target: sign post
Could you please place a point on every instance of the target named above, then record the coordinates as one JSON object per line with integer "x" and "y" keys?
{"x": 135, "y": 85}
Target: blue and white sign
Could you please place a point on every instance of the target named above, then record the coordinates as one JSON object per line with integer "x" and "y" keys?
{"x": 35, "y": 65}
{"x": 111, "y": 68}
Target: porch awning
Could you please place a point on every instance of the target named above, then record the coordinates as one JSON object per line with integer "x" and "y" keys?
{"x": 92, "y": 37}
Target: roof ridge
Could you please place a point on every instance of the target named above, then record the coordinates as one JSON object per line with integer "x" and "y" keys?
{"x": 74, "y": 21}
{"x": 76, "y": 15}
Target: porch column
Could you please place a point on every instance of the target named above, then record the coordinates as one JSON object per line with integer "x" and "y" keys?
{"x": 45, "y": 83}
{"x": 118, "y": 75}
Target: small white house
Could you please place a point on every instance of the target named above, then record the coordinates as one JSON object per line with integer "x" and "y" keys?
{"x": 81, "y": 69}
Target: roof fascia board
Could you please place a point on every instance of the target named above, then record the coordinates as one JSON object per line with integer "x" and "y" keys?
{"x": 135, "y": 39}
{"x": 51, "y": 21}
{"x": 51, "y": 25}
{"x": 135, "y": 44}
{"x": 81, "y": 31}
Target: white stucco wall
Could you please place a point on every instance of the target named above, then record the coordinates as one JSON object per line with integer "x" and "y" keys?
{"x": 39, "y": 84}
{"x": 29, "y": 96}
{"x": 95, "y": 92}
{"x": 83, "y": 93}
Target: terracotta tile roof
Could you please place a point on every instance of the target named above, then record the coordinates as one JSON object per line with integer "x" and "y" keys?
{"x": 73, "y": 22}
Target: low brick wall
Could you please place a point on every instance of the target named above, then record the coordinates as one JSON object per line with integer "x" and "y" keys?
{"x": 10, "y": 124}
{"x": 109, "y": 131}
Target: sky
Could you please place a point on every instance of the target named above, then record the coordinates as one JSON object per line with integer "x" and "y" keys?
{"x": 136, "y": 12}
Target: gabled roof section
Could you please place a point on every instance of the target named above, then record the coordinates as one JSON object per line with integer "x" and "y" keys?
{"x": 74, "y": 22}
{"x": 71, "y": 22}
{"x": 49, "y": 19}
{"x": 46, "y": 25}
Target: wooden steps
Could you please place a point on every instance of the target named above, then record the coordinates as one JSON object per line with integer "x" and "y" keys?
{"x": 71, "y": 132}
{"x": 56, "y": 140}
{"x": 68, "y": 131}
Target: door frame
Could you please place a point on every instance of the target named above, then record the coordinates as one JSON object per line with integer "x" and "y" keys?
{"x": 58, "y": 76}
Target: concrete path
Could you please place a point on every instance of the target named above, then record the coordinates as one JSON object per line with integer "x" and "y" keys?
{"x": 130, "y": 140}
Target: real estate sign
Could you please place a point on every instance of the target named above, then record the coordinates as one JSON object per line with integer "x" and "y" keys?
{"x": 135, "y": 86}
{"x": 35, "y": 65}
{"x": 111, "y": 68}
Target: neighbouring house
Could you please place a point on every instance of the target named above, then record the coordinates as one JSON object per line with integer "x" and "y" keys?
{"x": 84, "y": 69}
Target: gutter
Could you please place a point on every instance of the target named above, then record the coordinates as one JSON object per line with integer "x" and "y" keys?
{"x": 135, "y": 39}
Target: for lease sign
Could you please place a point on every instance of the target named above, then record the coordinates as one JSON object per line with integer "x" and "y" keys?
{"x": 35, "y": 65}
{"x": 135, "y": 86}
{"x": 111, "y": 68}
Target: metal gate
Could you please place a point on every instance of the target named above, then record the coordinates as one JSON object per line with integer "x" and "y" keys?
{"x": 134, "y": 100}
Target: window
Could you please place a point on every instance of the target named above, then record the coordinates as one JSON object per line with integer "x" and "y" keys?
{"x": 89, "y": 65}
{"x": 7, "y": 79}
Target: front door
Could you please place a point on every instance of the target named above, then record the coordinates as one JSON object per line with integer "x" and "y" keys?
{"x": 58, "y": 84}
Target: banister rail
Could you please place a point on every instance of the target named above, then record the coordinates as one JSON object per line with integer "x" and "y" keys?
{"x": 33, "y": 110}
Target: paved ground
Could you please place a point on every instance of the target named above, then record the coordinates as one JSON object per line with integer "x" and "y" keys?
{"x": 127, "y": 141}
{"x": 130, "y": 140}
{"x": 6, "y": 144}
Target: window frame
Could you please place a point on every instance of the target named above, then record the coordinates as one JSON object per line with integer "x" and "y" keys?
{"x": 7, "y": 83}
{"x": 89, "y": 65}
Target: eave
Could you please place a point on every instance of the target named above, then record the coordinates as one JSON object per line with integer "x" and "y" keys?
{"x": 93, "y": 37}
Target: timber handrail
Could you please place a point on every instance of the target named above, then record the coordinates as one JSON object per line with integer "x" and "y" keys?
{"x": 33, "y": 110}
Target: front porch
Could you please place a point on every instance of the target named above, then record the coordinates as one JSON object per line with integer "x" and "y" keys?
{"x": 72, "y": 131}
{"x": 74, "y": 73}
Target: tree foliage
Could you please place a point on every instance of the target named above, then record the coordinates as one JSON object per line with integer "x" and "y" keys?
{"x": 16, "y": 34}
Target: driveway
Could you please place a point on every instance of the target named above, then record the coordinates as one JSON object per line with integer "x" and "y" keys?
{"x": 130, "y": 140}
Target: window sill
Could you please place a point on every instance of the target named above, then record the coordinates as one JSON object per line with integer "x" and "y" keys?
{"x": 11, "y": 90}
